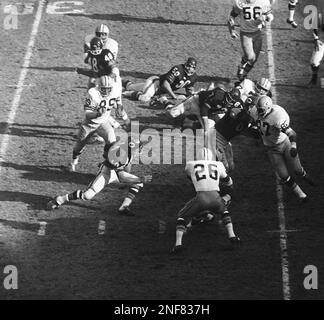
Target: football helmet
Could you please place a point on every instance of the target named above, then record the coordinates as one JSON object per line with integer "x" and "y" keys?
{"x": 190, "y": 66}
{"x": 233, "y": 99}
{"x": 106, "y": 85}
{"x": 102, "y": 32}
{"x": 96, "y": 46}
{"x": 264, "y": 106}
{"x": 263, "y": 86}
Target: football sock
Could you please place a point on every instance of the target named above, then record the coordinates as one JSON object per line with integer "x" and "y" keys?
{"x": 74, "y": 195}
{"x": 227, "y": 221}
{"x": 132, "y": 192}
{"x": 180, "y": 230}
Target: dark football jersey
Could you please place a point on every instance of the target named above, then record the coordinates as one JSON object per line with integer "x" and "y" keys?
{"x": 211, "y": 101}
{"x": 178, "y": 79}
{"x": 234, "y": 122}
{"x": 101, "y": 63}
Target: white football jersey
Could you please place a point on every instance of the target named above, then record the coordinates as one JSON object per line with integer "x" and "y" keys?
{"x": 95, "y": 101}
{"x": 110, "y": 44}
{"x": 272, "y": 125}
{"x": 247, "y": 88}
{"x": 205, "y": 174}
{"x": 251, "y": 14}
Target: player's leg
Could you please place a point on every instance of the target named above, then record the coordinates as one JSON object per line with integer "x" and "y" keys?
{"x": 257, "y": 45}
{"x": 279, "y": 164}
{"x": 133, "y": 190}
{"x": 292, "y": 7}
{"x": 248, "y": 57}
{"x": 295, "y": 165}
{"x": 150, "y": 88}
{"x": 84, "y": 135}
{"x": 191, "y": 209}
{"x": 316, "y": 59}
{"x": 104, "y": 176}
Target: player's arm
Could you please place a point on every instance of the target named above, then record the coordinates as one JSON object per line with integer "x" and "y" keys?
{"x": 231, "y": 22}
{"x": 190, "y": 90}
{"x": 292, "y": 137}
{"x": 168, "y": 79}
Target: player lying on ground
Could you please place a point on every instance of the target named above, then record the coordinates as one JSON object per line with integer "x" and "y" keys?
{"x": 178, "y": 77}
{"x": 279, "y": 139}
{"x": 205, "y": 175}
{"x": 115, "y": 169}
{"x": 98, "y": 117}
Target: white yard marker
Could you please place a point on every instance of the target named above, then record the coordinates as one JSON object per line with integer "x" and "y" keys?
{"x": 279, "y": 189}
{"x": 22, "y": 77}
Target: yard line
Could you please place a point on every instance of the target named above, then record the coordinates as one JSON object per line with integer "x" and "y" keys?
{"x": 279, "y": 189}
{"x": 22, "y": 77}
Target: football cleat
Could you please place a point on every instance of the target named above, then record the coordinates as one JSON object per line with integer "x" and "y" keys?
{"x": 126, "y": 212}
{"x": 177, "y": 249}
{"x": 235, "y": 241}
{"x": 53, "y": 204}
{"x": 293, "y": 23}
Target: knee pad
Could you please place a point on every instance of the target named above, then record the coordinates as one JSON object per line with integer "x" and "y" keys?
{"x": 88, "y": 194}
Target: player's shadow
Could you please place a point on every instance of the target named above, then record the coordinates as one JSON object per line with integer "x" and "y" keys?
{"x": 59, "y": 69}
{"x": 26, "y": 226}
{"x": 30, "y": 130}
{"x": 130, "y": 18}
{"x": 49, "y": 173}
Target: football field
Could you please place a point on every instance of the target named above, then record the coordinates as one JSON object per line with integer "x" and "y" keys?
{"x": 42, "y": 106}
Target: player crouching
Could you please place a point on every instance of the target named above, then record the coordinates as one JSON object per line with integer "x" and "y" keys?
{"x": 205, "y": 175}
{"x": 113, "y": 170}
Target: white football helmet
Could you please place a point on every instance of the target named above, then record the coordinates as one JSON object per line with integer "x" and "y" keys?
{"x": 263, "y": 86}
{"x": 264, "y": 106}
{"x": 106, "y": 85}
{"x": 102, "y": 32}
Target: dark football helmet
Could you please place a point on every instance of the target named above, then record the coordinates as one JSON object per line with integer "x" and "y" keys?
{"x": 96, "y": 46}
{"x": 190, "y": 66}
{"x": 233, "y": 99}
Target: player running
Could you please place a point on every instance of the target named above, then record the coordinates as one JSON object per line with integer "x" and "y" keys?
{"x": 115, "y": 169}
{"x": 253, "y": 15}
{"x": 182, "y": 76}
{"x": 98, "y": 119}
{"x": 279, "y": 140}
{"x": 205, "y": 175}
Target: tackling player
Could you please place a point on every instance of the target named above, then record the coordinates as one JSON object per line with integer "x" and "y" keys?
{"x": 279, "y": 140}
{"x": 178, "y": 77}
{"x": 98, "y": 108}
{"x": 113, "y": 170}
{"x": 94, "y": 56}
{"x": 253, "y": 15}
{"x": 205, "y": 175}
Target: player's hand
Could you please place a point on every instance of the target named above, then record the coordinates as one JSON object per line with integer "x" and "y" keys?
{"x": 147, "y": 178}
{"x": 181, "y": 97}
{"x": 234, "y": 34}
{"x": 293, "y": 152}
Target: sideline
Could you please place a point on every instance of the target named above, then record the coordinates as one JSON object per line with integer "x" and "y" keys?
{"x": 22, "y": 77}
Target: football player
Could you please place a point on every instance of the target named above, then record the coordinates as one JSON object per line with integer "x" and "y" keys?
{"x": 317, "y": 56}
{"x": 94, "y": 57}
{"x": 292, "y": 7}
{"x": 178, "y": 77}
{"x": 112, "y": 170}
{"x": 252, "y": 89}
{"x": 253, "y": 15}
{"x": 279, "y": 140}
{"x": 98, "y": 117}
{"x": 205, "y": 175}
